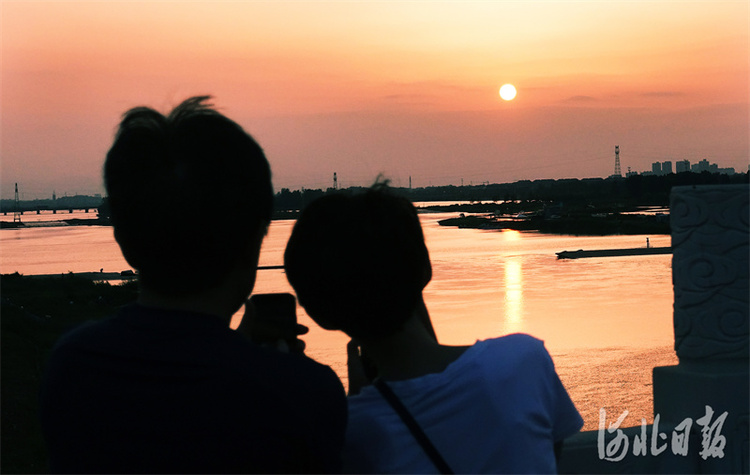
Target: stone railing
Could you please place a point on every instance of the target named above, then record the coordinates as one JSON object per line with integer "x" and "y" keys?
{"x": 703, "y": 402}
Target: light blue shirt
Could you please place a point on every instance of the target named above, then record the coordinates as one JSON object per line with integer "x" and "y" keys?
{"x": 499, "y": 408}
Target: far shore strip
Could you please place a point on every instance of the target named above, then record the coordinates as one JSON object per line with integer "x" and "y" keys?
{"x": 111, "y": 276}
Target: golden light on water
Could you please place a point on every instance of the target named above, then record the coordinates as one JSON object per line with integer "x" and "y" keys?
{"x": 510, "y": 235}
{"x": 513, "y": 286}
{"x": 513, "y": 317}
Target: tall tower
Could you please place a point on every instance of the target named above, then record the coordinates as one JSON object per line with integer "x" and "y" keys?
{"x": 617, "y": 161}
{"x": 335, "y": 181}
{"x": 17, "y": 211}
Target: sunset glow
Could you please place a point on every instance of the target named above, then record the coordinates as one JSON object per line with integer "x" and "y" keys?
{"x": 407, "y": 89}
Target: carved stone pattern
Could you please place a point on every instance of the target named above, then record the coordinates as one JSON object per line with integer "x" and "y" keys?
{"x": 710, "y": 268}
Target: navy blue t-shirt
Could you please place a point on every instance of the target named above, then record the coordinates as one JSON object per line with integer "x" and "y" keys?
{"x": 149, "y": 390}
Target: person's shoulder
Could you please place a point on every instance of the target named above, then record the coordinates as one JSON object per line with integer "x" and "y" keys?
{"x": 294, "y": 372}
{"x": 314, "y": 387}
{"x": 518, "y": 339}
{"x": 316, "y": 372}
{"x": 102, "y": 332}
{"x": 514, "y": 343}
{"x": 303, "y": 364}
{"x": 89, "y": 331}
{"x": 518, "y": 348}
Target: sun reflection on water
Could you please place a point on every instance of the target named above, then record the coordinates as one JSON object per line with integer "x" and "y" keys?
{"x": 510, "y": 235}
{"x": 513, "y": 319}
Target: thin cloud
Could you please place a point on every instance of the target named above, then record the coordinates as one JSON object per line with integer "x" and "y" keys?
{"x": 663, "y": 94}
{"x": 400, "y": 97}
{"x": 581, "y": 99}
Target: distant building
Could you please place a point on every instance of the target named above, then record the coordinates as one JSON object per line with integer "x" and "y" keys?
{"x": 682, "y": 166}
{"x": 660, "y": 168}
{"x": 702, "y": 166}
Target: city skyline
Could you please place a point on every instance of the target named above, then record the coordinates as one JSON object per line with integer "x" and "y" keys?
{"x": 680, "y": 166}
{"x": 403, "y": 89}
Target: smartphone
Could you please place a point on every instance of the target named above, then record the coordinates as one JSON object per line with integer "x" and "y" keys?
{"x": 275, "y": 318}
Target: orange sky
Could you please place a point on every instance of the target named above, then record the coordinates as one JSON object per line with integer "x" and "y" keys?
{"x": 400, "y": 88}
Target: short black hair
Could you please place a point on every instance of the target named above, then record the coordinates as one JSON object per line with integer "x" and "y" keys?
{"x": 358, "y": 262}
{"x": 187, "y": 192}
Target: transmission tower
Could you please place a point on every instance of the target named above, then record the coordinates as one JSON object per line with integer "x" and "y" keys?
{"x": 617, "y": 161}
{"x": 17, "y": 211}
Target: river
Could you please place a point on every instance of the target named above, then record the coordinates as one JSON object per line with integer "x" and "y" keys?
{"x": 605, "y": 321}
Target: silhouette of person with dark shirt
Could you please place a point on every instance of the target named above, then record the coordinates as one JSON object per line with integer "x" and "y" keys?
{"x": 165, "y": 385}
{"x": 359, "y": 263}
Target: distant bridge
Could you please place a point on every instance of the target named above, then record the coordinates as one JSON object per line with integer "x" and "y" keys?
{"x": 49, "y": 210}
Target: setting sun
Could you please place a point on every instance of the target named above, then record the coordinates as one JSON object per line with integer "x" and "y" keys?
{"x": 508, "y": 92}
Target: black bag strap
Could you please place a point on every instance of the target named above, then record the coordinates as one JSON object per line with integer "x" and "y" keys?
{"x": 413, "y": 426}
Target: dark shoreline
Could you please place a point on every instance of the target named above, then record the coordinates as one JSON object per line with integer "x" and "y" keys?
{"x": 578, "y": 225}
{"x": 55, "y": 223}
{"x": 116, "y": 277}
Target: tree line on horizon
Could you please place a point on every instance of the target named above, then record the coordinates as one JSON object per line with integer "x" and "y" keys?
{"x": 636, "y": 190}
{"x": 640, "y": 190}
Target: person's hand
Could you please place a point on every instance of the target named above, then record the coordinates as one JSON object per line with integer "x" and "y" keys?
{"x": 266, "y": 334}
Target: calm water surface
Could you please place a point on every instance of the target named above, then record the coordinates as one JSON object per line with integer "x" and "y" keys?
{"x": 606, "y": 321}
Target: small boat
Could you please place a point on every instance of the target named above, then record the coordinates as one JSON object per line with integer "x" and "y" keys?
{"x": 639, "y": 251}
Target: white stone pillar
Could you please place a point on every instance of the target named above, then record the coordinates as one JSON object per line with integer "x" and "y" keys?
{"x": 710, "y": 268}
